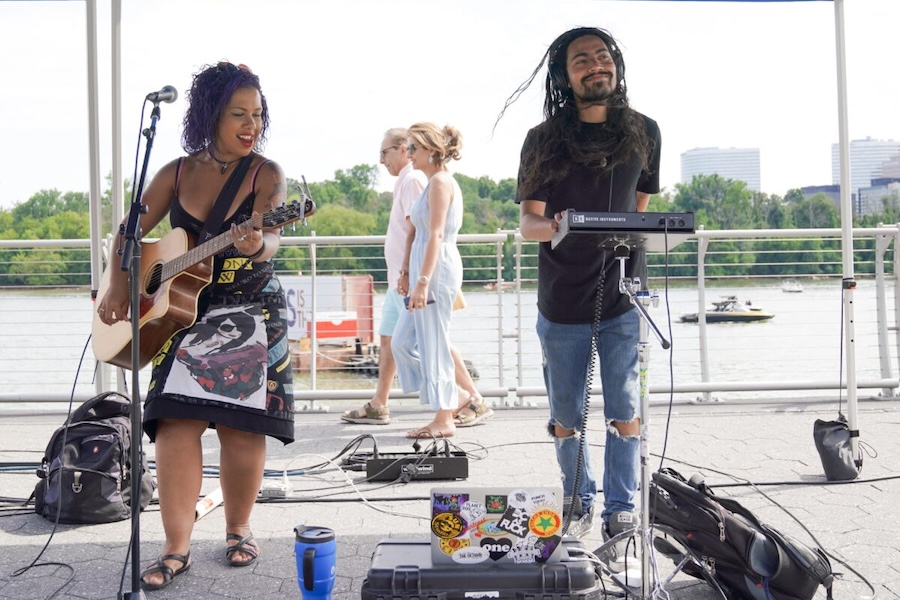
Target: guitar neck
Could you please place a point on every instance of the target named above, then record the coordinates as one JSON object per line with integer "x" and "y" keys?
{"x": 203, "y": 251}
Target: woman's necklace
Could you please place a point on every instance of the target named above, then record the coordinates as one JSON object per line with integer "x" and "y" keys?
{"x": 221, "y": 162}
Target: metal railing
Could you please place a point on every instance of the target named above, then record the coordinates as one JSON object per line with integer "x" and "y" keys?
{"x": 800, "y": 352}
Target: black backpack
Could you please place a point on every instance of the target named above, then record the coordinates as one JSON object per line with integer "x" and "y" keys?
{"x": 731, "y": 549}
{"x": 89, "y": 479}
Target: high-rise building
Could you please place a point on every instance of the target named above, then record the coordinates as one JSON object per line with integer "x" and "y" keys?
{"x": 868, "y": 159}
{"x": 741, "y": 164}
{"x": 892, "y": 167}
{"x": 883, "y": 190}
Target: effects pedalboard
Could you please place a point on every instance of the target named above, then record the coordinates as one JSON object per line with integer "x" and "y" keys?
{"x": 407, "y": 466}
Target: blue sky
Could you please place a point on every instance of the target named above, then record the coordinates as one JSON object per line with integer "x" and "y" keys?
{"x": 337, "y": 74}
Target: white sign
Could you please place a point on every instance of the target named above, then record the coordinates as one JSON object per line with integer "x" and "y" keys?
{"x": 298, "y": 293}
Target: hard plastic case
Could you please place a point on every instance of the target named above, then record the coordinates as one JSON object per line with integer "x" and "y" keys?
{"x": 402, "y": 569}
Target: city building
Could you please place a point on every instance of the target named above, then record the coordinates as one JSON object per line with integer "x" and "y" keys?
{"x": 832, "y": 191}
{"x": 868, "y": 159}
{"x": 740, "y": 164}
{"x": 892, "y": 167}
{"x": 872, "y": 199}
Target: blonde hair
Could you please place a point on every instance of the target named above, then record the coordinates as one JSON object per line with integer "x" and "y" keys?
{"x": 444, "y": 144}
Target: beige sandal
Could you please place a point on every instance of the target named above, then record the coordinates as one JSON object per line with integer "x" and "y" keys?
{"x": 367, "y": 415}
{"x": 473, "y": 414}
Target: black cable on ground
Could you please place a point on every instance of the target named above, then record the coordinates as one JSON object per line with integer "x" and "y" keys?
{"x": 35, "y": 563}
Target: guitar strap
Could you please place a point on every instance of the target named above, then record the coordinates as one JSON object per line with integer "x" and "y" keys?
{"x": 226, "y": 198}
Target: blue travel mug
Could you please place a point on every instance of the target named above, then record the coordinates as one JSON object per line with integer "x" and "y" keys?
{"x": 316, "y": 551}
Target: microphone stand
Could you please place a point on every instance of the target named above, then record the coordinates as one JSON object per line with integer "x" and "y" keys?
{"x": 131, "y": 262}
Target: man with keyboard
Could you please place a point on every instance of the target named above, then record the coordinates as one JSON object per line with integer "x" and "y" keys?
{"x": 592, "y": 153}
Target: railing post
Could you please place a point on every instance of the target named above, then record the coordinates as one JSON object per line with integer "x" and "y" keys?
{"x": 896, "y": 327}
{"x": 882, "y": 243}
{"x": 313, "y": 337}
{"x": 702, "y": 247}
{"x": 520, "y": 364}
{"x": 498, "y": 279}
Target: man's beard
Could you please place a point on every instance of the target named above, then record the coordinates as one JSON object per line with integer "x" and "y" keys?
{"x": 595, "y": 95}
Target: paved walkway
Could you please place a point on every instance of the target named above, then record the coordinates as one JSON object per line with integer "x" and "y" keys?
{"x": 767, "y": 443}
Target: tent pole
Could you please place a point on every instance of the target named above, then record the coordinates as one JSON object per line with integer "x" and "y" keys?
{"x": 96, "y": 216}
{"x": 849, "y": 281}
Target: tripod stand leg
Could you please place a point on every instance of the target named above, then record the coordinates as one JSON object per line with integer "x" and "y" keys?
{"x": 643, "y": 361}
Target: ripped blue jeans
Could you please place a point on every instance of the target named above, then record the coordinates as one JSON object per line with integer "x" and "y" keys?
{"x": 566, "y": 353}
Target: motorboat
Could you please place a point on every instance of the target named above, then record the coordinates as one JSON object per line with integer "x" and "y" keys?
{"x": 791, "y": 286}
{"x": 731, "y": 310}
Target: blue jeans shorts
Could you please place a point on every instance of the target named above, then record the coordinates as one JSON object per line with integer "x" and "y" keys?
{"x": 390, "y": 312}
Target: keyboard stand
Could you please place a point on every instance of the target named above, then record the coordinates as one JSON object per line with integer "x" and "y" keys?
{"x": 622, "y": 243}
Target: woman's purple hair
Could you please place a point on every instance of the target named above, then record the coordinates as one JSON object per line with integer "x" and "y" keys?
{"x": 210, "y": 92}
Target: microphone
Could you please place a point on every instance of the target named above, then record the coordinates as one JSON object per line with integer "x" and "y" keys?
{"x": 167, "y": 94}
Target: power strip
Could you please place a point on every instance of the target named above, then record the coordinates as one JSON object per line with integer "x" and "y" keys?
{"x": 408, "y": 466}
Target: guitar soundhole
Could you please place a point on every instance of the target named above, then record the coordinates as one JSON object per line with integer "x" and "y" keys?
{"x": 153, "y": 281}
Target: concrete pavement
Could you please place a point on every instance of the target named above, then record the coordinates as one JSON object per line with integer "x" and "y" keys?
{"x": 768, "y": 443}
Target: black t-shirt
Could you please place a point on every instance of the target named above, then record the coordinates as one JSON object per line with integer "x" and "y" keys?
{"x": 568, "y": 276}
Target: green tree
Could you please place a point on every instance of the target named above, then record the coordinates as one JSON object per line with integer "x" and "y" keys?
{"x": 659, "y": 203}
{"x": 890, "y": 212}
{"x": 469, "y": 186}
{"x": 37, "y": 269}
{"x": 505, "y": 190}
{"x": 817, "y": 211}
{"x": 357, "y": 184}
{"x": 336, "y": 220}
{"x": 47, "y": 203}
{"x": 768, "y": 211}
{"x": 717, "y": 203}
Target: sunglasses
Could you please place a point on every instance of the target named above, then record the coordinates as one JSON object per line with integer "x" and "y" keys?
{"x": 384, "y": 151}
{"x": 411, "y": 148}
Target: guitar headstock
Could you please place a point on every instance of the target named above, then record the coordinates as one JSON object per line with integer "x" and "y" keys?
{"x": 297, "y": 210}
{"x": 309, "y": 207}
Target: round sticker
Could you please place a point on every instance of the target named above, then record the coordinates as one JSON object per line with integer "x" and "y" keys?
{"x": 544, "y": 523}
{"x": 453, "y": 544}
{"x": 447, "y": 525}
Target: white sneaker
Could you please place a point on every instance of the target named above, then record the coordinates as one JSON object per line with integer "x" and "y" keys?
{"x": 582, "y": 523}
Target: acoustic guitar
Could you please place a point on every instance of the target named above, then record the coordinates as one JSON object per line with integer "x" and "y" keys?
{"x": 173, "y": 273}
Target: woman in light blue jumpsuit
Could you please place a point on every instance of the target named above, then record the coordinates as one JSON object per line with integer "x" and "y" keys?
{"x": 421, "y": 341}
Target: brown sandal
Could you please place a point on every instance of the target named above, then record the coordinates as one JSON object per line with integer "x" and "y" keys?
{"x": 426, "y": 433}
{"x": 367, "y": 415}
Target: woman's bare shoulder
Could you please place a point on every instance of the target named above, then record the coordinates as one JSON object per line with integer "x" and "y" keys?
{"x": 442, "y": 180}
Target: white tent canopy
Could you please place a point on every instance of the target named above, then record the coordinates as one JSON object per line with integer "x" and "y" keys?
{"x": 118, "y": 179}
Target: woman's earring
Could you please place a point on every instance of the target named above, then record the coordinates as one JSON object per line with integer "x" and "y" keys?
{"x": 430, "y": 160}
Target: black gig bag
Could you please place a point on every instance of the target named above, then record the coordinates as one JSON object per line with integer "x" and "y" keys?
{"x": 731, "y": 549}
{"x": 85, "y": 474}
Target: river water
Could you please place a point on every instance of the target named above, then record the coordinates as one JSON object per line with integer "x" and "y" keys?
{"x": 43, "y": 336}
